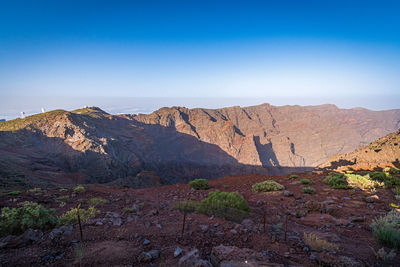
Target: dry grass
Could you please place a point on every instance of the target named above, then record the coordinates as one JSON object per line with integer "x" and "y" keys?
{"x": 317, "y": 244}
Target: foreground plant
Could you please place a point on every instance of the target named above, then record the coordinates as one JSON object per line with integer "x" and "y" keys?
{"x": 317, "y": 244}
{"x": 230, "y": 206}
{"x": 71, "y": 216}
{"x": 199, "y": 184}
{"x": 386, "y": 229}
{"x": 267, "y": 186}
{"x": 30, "y": 215}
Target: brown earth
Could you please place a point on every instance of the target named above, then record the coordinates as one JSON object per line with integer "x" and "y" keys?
{"x": 178, "y": 144}
{"x": 384, "y": 152}
{"x": 116, "y": 237}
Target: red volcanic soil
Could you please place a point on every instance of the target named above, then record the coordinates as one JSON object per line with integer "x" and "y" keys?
{"x": 116, "y": 237}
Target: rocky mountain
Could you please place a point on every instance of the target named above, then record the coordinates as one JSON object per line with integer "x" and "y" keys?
{"x": 382, "y": 153}
{"x": 178, "y": 144}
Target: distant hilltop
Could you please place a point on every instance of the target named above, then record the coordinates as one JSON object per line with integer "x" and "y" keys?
{"x": 2, "y": 120}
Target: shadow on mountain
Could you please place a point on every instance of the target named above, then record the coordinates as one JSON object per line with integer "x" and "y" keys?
{"x": 266, "y": 154}
{"x": 131, "y": 149}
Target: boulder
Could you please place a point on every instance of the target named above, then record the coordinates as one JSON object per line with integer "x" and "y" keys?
{"x": 192, "y": 259}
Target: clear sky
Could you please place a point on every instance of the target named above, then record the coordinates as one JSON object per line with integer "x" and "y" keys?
{"x": 295, "y": 52}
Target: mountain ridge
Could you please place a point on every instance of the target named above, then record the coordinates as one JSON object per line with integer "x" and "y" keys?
{"x": 178, "y": 143}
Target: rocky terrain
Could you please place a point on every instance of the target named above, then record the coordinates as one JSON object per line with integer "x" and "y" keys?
{"x": 305, "y": 221}
{"x": 139, "y": 227}
{"x": 384, "y": 152}
{"x": 177, "y": 144}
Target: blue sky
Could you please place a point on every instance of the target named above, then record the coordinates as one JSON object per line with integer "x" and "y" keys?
{"x": 294, "y": 52}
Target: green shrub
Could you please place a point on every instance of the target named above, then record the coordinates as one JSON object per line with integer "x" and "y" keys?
{"x": 386, "y": 178}
{"x": 231, "y": 200}
{"x": 14, "y": 193}
{"x": 71, "y": 216}
{"x": 267, "y": 186}
{"x": 63, "y": 198}
{"x": 30, "y": 215}
{"x": 79, "y": 189}
{"x": 336, "y": 181}
{"x": 308, "y": 190}
{"x": 305, "y": 181}
{"x": 363, "y": 182}
{"x": 96, "y": 201}
{"x": 396, "y": 190}
{"x": 386, "y": 229}
{"x": 36, "y": 191}
{"x": 293, "y": 176}
{"x": 380, "y": 176}
{"x": 230, "y": 206}
{"x": 199, "y": 184}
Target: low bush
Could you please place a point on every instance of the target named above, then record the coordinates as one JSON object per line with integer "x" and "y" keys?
{"x": 63, "y": 198}
{"x": 363, "y": 182}
{"x": 386, "y": 178}
{"x": 386, "y": 229}
{"x": 267, "y": 186}
{"x": 96, "y": 201}
{"x": 230, "y": 206}
{"x": 199, "y": 184}
{"x": 71, "y": 216}
{"x": 293, "y": 176}
{"x": 14, "y": 193}
{"x": 79, "y": 189}
{"x": 308, "y": 190}
{"x": 36, "y": 191}
{"x": 305, "y": 181}
{"x": 32, "y": 215}
{"x": 317, "y": 244}
{"x": 336, "y": 181}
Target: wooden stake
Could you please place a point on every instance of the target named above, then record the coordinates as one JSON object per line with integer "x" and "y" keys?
{"x": 286, "y": 221}
{"x": 184, "y": 221}
{"x": 79, "y": 220}
{"x": 265, "y": 220}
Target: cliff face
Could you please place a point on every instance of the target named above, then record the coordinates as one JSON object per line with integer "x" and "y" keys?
{"x": 288, "y": 136}
{"x": 178, "y": 144}
{"x": 384, "y": 152}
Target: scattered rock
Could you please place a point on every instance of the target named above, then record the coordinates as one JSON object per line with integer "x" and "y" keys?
{"x": 371, "y": 199}
{"x": 116, "y": 221}
{"x": 287, "y": 193}
{"x": 146, "y": 241}
{"x": 204, "y": 228}
{"x": 192, "y": 259}
{"x": 178, "y": 251}
{"x": 313, "y": 256}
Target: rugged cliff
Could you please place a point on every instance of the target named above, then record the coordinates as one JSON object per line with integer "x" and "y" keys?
{"x": 382, "y": 153}
{"x": 177, "y": 144}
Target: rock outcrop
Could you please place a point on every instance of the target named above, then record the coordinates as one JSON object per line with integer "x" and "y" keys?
{"x": 178, "y": 144}
{"x": 382, "y": 153}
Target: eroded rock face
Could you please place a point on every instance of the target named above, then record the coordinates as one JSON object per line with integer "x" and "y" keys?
{"x": 384, "y": 152}
{"x": 178, "y": 144}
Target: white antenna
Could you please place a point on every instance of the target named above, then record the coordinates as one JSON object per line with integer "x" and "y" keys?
{"x": 22, "y": 115}
{"x": 43, "y": 110}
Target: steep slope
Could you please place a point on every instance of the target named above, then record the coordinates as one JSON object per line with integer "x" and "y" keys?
{"x": 287, "y": 136}
{"x": 384, "y": 152}
{"x": 177, "y": 144}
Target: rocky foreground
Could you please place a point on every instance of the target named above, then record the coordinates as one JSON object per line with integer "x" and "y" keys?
{"x": 139, "y": 227}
